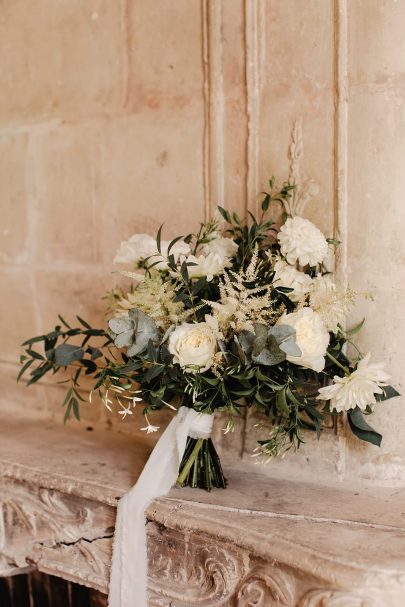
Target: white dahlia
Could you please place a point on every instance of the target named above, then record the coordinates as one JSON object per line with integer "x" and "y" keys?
{"x": 357, "y": 389}
{"x": 301, "y": 241}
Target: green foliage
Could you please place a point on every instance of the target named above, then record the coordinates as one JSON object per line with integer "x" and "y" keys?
{"x": 251, "y": 366}
{"x": 133, "y": 331}
{"x": 361, "y": 428}
{"x": 57, "y": 354}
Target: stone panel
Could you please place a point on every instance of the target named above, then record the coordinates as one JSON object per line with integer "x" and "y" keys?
{"x": 60, "y": 60}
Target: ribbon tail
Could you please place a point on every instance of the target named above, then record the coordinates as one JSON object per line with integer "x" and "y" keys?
{"x": 128, "y": 580}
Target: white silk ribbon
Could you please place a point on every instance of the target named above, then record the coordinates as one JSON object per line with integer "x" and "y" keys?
{"x": 128, "y": 579}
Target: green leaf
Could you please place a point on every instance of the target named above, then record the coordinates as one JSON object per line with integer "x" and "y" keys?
{"x": 282, "y": 404}
{"x": 33, "y": 340}
{"x": 34, "y": 354}
{"x": 260, "y": 341}
{"x": 64, "y": 322}
{"x": 83, "y": 322}
{"x": 245, "y": 339}
{"x": 389, "y": 392}
{"x": 67, "y": 397}
{"x": 173, "y": 242}
{"x": 266, "y": 203}
{"x": 356, "y": 329}
{"x": 225, "y": 214}
{"x": 153, "y": 372}
{"x": 76, "y": 410}
{"x": 159, "y": 239}
{"x": 285, "y": 337}
{"x": 24, "y": 368}
{"x": 361, "y": 429}
{"x": 124, "y": 339}
{"x": 120, "y": 325}
{"x": 271, "y": 355}
{"x": 65, "y": 354}
{"x": 67, "y": 412}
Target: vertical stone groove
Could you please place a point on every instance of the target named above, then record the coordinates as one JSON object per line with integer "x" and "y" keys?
{"x": 254, "y": 39}
{"x": 212, "y": 54}
{"x": 340, "y": 167}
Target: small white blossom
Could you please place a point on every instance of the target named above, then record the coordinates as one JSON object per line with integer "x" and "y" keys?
{"x": 124, "y": 411}
{"x": 301, "y": 241}
{"x": 357, "y": 389}
{"x": 149, "y": 429}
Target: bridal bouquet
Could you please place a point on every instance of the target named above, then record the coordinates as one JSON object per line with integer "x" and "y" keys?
{"x": 240, "y": 314}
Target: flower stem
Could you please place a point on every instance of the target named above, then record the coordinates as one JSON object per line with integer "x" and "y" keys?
{"x": 200, "y": 465}
{"x": 333, "y": 359}
{"x": 183, "y": 474}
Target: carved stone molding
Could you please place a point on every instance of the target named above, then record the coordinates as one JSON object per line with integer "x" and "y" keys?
{"x": 334, "y": 598}
{"x": 191, "y": 570}
{"x": 57, "y": 533}
{"x": 266, "y": 587}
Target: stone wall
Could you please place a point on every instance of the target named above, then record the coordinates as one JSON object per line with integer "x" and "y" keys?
{"x": 118, "y": 116}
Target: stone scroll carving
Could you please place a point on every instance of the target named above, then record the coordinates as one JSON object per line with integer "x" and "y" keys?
{"x": 187, "y": 570}
{"x": 55, "y": 532}
{"x": 266, "y": 587}
{"x": 334, "y": 598}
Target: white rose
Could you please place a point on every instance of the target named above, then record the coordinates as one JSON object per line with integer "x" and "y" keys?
{"x": 178, "y": 250}
{"x": 301, "y": 241}
{"x": 357, "y": 389}
{"x": 311, "y": 336}
{"x": 142, "y": 246}
{"x": 193, "y": 346}
{"x": 135, "y": 249}
{"x": 225, "y": 247}
{"x": 206, "y": 265}
{"x": 287, "y": 276}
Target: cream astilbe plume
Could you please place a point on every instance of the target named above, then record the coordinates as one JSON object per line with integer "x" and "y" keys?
{"x": 240, "y": 306}
{"x": 155, "y": 298}
{"x": 331, "y": 303}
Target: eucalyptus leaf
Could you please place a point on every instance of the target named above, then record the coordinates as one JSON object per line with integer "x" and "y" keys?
{"x": 260, "y": 341}
{"x": 271, "y": 354}
{"x": 65, "y": 354}
{"x": 124, "y": 339}
{"x": 120, "y": 325}
{"x": 245, "y": 340}
{"x": 286, "y": 339}
{"x": 145, "y": 327}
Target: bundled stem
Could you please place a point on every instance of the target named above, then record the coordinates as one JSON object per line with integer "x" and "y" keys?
{"x": 201, "y": 466}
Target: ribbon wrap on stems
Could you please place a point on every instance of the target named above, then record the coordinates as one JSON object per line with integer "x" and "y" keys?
{"x": 128, "y": 579}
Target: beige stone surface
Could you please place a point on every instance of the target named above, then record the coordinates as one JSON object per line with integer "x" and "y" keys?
{"x": 263, "y": 538}
{"x": 117, "y": 118}
{"x": 67, "y": 59}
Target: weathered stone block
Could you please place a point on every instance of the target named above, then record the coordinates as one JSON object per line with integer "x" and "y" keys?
{"x": 60, "y": 60}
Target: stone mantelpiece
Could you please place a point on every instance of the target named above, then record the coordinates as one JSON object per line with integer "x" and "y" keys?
{"x": 262, "y": 542}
